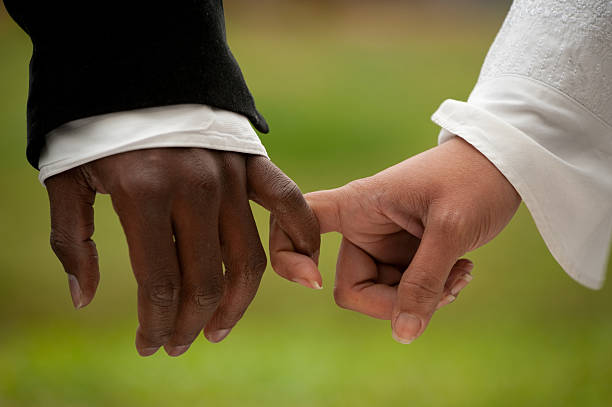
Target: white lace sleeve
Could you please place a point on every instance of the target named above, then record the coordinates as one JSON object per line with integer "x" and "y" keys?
{"x": 542, "y": 113}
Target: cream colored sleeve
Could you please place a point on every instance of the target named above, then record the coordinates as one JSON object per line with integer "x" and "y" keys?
{"x": 542, "y": 113}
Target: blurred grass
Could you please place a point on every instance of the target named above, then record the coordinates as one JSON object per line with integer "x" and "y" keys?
{"x": 347, "y": 93}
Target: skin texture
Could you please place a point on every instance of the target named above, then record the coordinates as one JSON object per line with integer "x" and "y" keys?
{"x": 404, "y": 230}
{"x": 186, "y": 214}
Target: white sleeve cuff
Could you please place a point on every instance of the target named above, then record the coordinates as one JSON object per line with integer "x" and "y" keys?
{"x": 92, "y": 138}
{"x": 556, "y": 154}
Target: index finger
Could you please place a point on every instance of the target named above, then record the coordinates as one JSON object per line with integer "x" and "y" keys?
{"x": 362, "y": 284}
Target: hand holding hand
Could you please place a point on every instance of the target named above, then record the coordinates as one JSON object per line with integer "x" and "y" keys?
{"x": 184, "y": 212}
{"x": 404, "y": 230}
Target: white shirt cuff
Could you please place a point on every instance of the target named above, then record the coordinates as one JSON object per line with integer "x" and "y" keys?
{"x": 557, "y": 155}
{"x": 92, "y": 138}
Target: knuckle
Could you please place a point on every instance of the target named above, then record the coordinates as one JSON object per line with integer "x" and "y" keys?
{"x": 257, "y": 264}
{"x": 279, "y": 264}
{"x": 359, "y": 185}
{"x": 206, "y": 298}
{"x": 456, "y": 228}
{"x": 206, "y": 180}
{"x": 207, "y": 191}
{"x": 372, "y": 191}
{"x": 449, "y": 221}
{"x": 343, "y": 297}
{"x": 149, "y": 183}
{"x": 61, "y": 242}
{"x": 421, "y": 290}
{"x": 208, "y": 183}
{"x": 151, "y": 175}
{"x": 248, "y": 276}
{"x": 163, "y": 291}
{"x": 309, "y": 243}
{"x": 370, "y": 187}
{"x": 287, "y": 192}
{"x": 202, "y": 173}
{"x": 248, "y": 283}
{"x": 205, "y": 301}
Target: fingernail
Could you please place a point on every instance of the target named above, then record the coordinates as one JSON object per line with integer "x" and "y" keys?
{"x": 308, "y": 284}
{"x": 446, "y": 300}
{"x": 406, "y": 328}
{"x": 177, "y": 350}
{"x": 461, "y": 284}
{"x": 147, "y": 351}
{"x": 218, "y": 336}
{"x": 75, "y": 291}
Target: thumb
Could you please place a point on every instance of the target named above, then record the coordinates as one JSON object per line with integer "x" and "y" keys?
{"x": 72, "y": 226}
{"x": 422, "y": 285}
{"x": 294, "y": 231}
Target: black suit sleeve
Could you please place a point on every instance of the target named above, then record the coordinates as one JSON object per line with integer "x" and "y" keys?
{"x": 103, "y": 56}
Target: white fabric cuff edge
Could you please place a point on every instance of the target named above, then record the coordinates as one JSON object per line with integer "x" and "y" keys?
{"x": 451, "y": 129}
{"x": 51, "y": 170}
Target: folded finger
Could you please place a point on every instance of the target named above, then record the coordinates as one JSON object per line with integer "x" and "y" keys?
{"x": 459, "y": 277}
{"x": 361, "y": 283}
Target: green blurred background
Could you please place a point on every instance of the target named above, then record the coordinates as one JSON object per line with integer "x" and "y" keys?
{"x": 348, "y": 88}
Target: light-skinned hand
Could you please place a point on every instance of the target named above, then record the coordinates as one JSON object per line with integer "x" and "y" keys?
{"x": 404, "y": 231}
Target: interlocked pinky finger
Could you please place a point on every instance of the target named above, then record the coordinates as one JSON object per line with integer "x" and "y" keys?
{"x": 458, "y": 279}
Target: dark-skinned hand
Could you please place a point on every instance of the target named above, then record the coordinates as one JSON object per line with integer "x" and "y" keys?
{"x": 185, "y": 213}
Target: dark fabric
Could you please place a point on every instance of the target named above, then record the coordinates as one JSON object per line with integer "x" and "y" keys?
{"x": 102, "y": 56}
